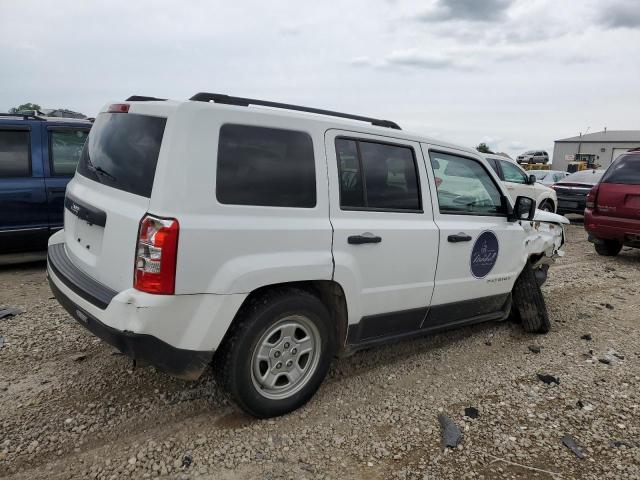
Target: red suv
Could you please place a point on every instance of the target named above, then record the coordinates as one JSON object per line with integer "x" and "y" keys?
{"x": 612, "y": 216}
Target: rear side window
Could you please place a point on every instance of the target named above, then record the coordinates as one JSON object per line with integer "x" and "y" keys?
{"x": 66, "y": 150}
{"x": 512, "y": 173}
{"x": 122, "y": 151}
{"x": 14, "y": 153}
{"x": 626, "y": 170}
{"x": 265, "y": 167}
{"x": 377, "y": 176}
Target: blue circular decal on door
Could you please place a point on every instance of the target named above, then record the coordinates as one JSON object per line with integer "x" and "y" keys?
{"x": 484, "y": 254}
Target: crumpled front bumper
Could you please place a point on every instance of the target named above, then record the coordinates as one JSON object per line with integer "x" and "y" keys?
{"x": 544, "y": 241}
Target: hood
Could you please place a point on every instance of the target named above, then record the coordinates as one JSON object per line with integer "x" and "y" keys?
{"x": 542, "y": 216}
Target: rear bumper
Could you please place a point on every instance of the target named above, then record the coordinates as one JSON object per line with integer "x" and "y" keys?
{"x": 177, "y": 333}
{"x": 187, "y": 364}
{"x": 603, "y": 227}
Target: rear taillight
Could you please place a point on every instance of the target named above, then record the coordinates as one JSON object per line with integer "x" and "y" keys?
{"x": 118, "y": 108}
{"x": 592, "y": 196}
{"x": 156, "y": 255}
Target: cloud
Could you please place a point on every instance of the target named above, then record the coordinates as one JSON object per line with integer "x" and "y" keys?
{"x": 469, "y": 10}
{"x": 620, "y": 15}
{"x": 413, "y": 58}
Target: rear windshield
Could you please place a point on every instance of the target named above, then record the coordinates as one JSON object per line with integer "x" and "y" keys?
{"x": 122, "y": 151}
{"x": 625, "y": 169}
{"x": 586, "y": 176}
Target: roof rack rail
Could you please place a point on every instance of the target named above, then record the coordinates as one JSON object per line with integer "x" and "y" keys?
{"x": 142, "y": 98}
{"x": 245, "y": 102}
{"x": 25, "y": 116}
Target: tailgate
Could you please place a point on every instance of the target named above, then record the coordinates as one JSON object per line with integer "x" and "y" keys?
{"x": 110, "y": 193}
{"x": 619, "y": 200}
{"x": 101, "y": 229}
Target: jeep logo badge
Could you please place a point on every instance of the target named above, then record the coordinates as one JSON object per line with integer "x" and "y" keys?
{"x": 75, "y": 208}
{"x": 484, "y": 254}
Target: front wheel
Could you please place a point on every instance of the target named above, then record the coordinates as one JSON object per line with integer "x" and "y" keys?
{"x": 528, "y": 302}
{"x": 608, "y": 248}
{"x": 547, "y": 206}
{"x": 278, "y": 352}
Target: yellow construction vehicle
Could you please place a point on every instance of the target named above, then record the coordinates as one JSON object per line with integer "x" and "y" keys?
{"x": 536, "y": 166}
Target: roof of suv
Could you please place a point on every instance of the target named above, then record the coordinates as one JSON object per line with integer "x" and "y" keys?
{"x": 17, "y": 118}
{"x": 325, "y": 118}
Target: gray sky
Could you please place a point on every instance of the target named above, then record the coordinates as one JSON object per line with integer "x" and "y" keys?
{"x": 516, "y": 74}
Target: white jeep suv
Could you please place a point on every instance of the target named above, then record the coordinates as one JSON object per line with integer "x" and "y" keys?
{"x": 268, "y": 238}
{"x": 519, "y": 182}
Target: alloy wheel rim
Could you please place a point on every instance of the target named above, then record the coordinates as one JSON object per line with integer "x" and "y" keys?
{"x": 285, "y": 357}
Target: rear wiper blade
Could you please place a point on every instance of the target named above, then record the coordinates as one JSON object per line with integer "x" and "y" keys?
{"x": 101, "y": 171}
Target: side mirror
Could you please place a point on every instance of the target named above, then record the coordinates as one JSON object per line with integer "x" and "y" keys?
{"x": 524, "y": 209}
{"x": 532, "y": 179}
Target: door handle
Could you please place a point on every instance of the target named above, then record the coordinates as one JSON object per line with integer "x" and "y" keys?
{"x": 365, "y": 238}
{"x": 459, "y": 237}
{"x": 58, "y": 189}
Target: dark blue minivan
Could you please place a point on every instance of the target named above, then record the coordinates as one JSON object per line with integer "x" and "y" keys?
{"x": 38, "y": 157}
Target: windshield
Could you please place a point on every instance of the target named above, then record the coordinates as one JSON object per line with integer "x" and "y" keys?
{"x": 586, "y": 176}
{"x": 122, "y": 151}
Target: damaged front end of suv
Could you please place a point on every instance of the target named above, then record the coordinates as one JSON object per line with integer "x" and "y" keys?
{"x": 544, "y": 241}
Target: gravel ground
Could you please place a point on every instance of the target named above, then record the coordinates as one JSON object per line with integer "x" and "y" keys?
{"x": 72, "y": 407}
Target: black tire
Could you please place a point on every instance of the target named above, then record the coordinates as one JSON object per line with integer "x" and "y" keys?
{"x": 528, "y": 303}
{"x": 547, "y": 206}
{"x": 235, "y": 359}
{"x": 608, "y": 248}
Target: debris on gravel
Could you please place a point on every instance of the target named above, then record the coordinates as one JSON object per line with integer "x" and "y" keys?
{"x": 450, "y": 432}
{"x": 9, "y": 312}
{"x": 534, "y": 348}
{"x": 471, "y": 412}
{"x": 571, "y": 444}
{"x": 586, "y": 336}
{"x": 548, "y": 379}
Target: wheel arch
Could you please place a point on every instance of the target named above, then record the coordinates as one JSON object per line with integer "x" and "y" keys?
{"x": 329, "y": 292}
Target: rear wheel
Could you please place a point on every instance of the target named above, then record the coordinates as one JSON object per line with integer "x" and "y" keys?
{"x": 278, "y": 353}
{"x": 528, "y": 302}
{"x": 608, "y": 248}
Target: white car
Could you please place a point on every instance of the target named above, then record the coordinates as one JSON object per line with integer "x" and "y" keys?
{"x": 548, "y": 177}
{"x": 533, "y": 156}
{"x": 519, "y": 182}
{"x": 269, "y": 240}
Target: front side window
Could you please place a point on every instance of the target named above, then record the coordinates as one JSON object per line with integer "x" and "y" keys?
{"x": 377, "y": 176}
{"x": 625, "y": 170}
{"x": 464, "y": 186}
{"x": 265, "y": 167}
{"x": 14, "y": 153}
{"x": 512, "y": 173}
{"x": 66, "y": 149}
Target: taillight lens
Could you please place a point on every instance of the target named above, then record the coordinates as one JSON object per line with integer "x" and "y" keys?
{"x": 156, "y": 255}
{"x": 592, "y": 196}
